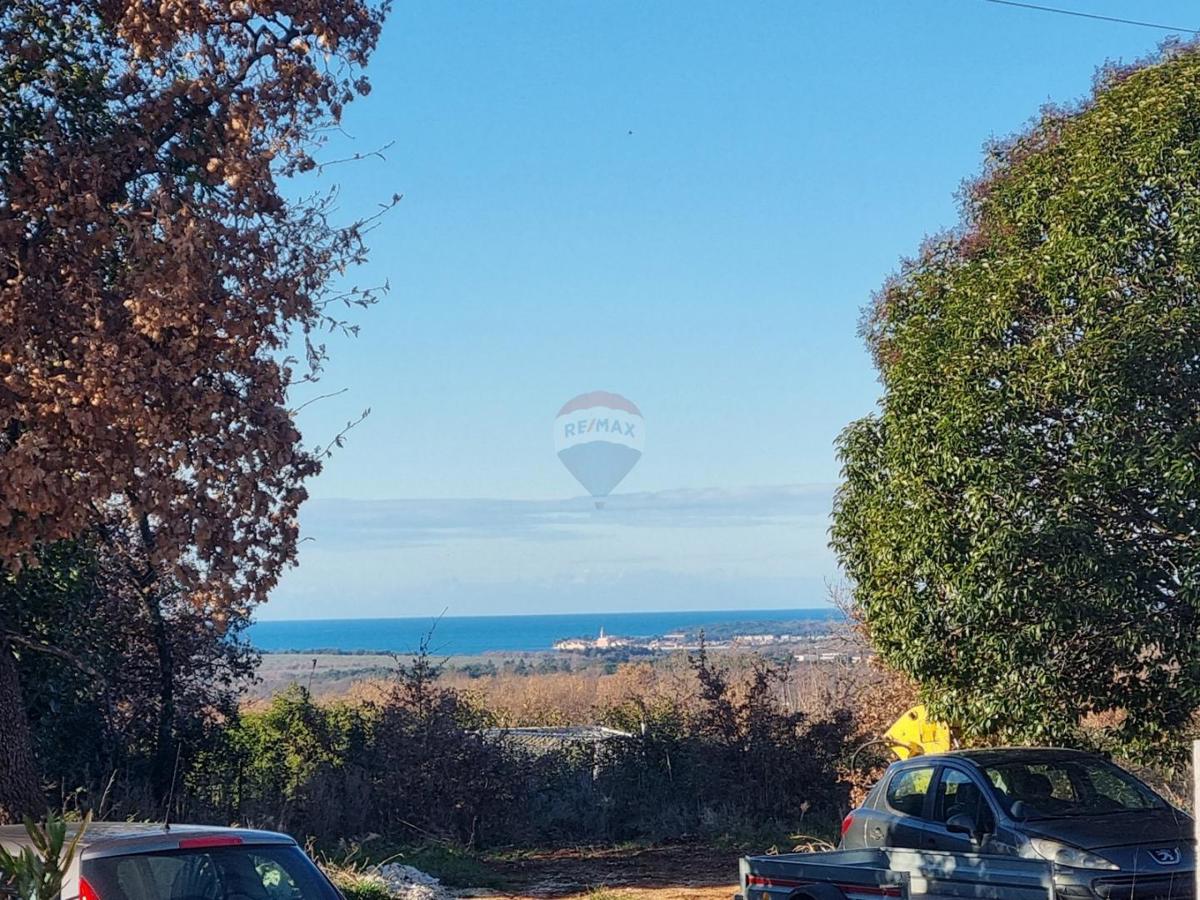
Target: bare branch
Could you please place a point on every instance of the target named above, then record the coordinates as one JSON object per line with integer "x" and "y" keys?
{"x": 49, "y": 649}
{"x": 339, "y": 439}
{"x": 315, "y": 399}
{"x": 357, "y": 156}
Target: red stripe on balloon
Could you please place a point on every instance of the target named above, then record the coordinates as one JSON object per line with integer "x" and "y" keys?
{"x": 599, "y": 398}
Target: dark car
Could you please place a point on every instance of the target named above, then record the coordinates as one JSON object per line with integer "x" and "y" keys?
{"x": 1108, "y": 834}
{"x": 132, "y": 861}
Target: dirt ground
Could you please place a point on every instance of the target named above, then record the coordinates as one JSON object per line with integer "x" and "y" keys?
{"x": 666, "y": 873}
{"x": 665, "y": 892}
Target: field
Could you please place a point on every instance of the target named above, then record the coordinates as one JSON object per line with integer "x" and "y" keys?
{"x": 674, "y": 872}
{"x": 330, "y": 675}
{"x": 326, "y": 674}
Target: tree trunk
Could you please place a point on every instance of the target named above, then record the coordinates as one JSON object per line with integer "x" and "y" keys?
{"x": 164, "y": 754}
{"x": 20, "y": 783}
{"x": 162, "y": 776}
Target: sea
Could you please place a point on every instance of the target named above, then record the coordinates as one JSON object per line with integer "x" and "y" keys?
{"x": 473, "y": 635}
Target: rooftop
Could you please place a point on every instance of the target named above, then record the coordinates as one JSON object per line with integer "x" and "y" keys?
{"x": 554, "y": 737}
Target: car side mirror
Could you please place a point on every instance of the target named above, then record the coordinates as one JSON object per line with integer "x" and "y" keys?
{"x": 964, "y": 824}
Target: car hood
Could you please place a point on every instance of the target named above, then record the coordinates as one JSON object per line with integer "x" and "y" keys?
{"x": 1151, "y": 827}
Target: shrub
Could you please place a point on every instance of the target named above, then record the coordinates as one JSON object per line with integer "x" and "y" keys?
{"x": 737, "y": 763}
{"x": 297, "y": 766}
{"x": 422, "y": 761}
{"x": 434, "y": 769}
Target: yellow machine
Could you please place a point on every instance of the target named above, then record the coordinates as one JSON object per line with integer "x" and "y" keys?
{"x": 914, "y": 733}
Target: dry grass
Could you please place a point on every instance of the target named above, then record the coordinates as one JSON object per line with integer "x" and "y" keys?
{"x": 584, "y": 696}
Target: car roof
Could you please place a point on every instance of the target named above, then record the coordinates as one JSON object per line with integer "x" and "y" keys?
{"x": 994, "y": 756}
{"x": 123, "y": 838}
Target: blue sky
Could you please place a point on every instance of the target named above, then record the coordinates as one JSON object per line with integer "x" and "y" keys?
{"x": 687, "y": 203}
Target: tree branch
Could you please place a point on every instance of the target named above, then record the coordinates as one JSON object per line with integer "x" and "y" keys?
{"x": 50, "y": 650}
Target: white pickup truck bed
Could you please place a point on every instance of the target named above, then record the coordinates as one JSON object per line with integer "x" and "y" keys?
{"x": 917, "y": 874}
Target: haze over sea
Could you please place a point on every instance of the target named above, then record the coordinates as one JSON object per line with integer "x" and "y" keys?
{"x": 470, "y": 635}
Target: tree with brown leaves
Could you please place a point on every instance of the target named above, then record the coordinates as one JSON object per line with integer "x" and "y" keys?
{"x": 154, "y": 275}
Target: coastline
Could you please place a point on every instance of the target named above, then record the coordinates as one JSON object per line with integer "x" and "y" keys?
{"x": 481, "y": 635}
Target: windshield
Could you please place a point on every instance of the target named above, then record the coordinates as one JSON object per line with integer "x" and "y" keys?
{"x": 1068, "y": 787}
{"x": 224, "y": 873}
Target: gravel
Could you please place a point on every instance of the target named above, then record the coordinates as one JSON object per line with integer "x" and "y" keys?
{"x": 406, "y": 883}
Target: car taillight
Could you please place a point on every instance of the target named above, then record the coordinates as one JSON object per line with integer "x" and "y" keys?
{"x": 216, "y": 841}
{"x": 86, "y": 891}
{"x": 847, "y": 822}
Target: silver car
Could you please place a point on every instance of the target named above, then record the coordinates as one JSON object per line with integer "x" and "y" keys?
{"x": 130, "y": 861}
{"x": 1106, "y": 833}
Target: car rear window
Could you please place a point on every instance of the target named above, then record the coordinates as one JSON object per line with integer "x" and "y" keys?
{"x": 217, "y": 873}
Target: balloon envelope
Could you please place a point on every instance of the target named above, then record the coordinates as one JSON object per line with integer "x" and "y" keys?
{"x": 599, "y": 438}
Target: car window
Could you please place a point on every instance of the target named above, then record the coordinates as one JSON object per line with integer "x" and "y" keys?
{"x": 1109, "y": 787}
{"x": 278, "y": 883}
{"x": 959, "y": 795}
{"x": 907, "y": 789}
{"x": 226, "y": 873}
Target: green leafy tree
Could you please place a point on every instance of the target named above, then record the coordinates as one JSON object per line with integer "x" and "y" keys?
{"x": 1020, "y": 518}
{"x": 88, "y": 663}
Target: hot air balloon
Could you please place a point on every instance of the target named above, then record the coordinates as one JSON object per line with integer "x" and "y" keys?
{"x": 599, "y": 438}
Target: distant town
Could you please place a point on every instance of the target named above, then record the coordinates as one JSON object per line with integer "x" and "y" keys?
{"x": 806, "y": 642}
